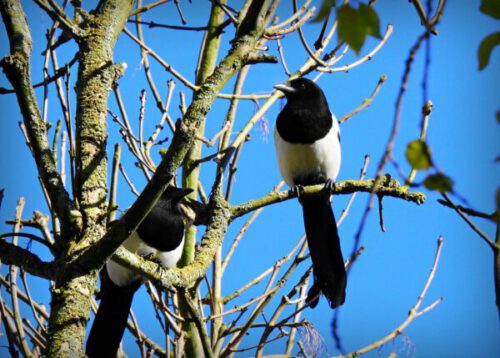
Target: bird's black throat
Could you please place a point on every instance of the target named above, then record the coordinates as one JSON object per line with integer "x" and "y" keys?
{"x": 303, "y": 123}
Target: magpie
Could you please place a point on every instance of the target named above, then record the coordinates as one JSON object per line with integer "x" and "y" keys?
{"x": 159, "y": 236}
{"x": 307, "y": 140}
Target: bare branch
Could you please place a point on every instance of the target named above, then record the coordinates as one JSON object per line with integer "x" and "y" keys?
{"x": 147, "y": 7}
{"x": 13, "y": 271}
{"x": 366, "y": 102}
{"x": 58, "y": 74}
{"x": 17, "y": 68}
{"x": 363, "y": 59}
{"x": 390, "y": 188}
{"x": 469, "y": 222}
{"x": 14, "y": 255}
{"x": 429, "y": 24}
{"x": 362, "y": 175}
{"x": 414, "y": 311}
{"x": 58, "y": 14}
{"x": 470, "y": 211}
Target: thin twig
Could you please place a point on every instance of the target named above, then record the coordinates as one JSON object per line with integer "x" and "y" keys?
{"x": 282, "y": 57}
{"x": 295, "y": 15}
{"x": 179, "y": 10}
{"x": 140, "y": 342}
{"x": 13, "y": 271}
{"x": 470, "y": 211}
{"x": 413, "y": 313}
{"x": 150, "y": 78}
{"x": 244, "y": 229}
{"x": 348, "y": 67}
{"x": 162, "y": 62}
{"x": 152, "y": 24}
{"x": 112, "y": 207}
{"x": 268, "y": 296}
{"x": 469, "y": 222}
{"x": 141, "y": 9}
{"x": 32, "y": 303}
{"x": 304, "y": 41}
{"x": 366, "y": 102}
{"x": 362, "y": 175}
{"x": 129, "y": 182}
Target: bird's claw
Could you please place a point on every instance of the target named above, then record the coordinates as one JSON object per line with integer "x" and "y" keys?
{"x": 298, "y": 190}
{"x": 151, "y": 257}
{"x": 330, "y": 186}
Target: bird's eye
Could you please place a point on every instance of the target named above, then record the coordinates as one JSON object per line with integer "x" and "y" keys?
{"x": 302, "y": 85}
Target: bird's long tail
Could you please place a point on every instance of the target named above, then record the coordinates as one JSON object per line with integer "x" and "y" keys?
{"x": 324, "y": 247}
{"x": 111, "y": 318}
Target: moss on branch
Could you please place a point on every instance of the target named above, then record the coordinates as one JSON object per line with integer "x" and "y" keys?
{"x": 96, "y": 75}
{"x": 72, "y": 293}
{"x": 387, "y": 187}
{"x": 190, "y": 174}
{"x": 220, "y": 214}
{"x": 183, "y": 139}
{"x": 186, "y": 276}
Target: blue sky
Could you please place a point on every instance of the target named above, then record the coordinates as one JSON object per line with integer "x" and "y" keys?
{"x": 390, "y": 274}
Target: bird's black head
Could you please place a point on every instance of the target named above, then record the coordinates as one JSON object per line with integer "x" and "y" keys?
{"x": 175, "y": 195}
{"x": 301, "y": 89}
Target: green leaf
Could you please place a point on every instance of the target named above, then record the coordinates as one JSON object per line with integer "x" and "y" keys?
{"x": 369, "y": 18}
{"x": 491, "y": 8}
{"x": 498, "y": 116}
{"x": 439, "y": 182}
{"x": 418, "y": 155}
{"x": 350, "y": 27}
{"x": 486, "y": 47}
{"x": 324, "y": 10}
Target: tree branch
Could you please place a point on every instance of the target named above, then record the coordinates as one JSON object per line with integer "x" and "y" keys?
{"x": 469, "y": 222}
{"x": 17, "y": 69}
{"x": 412, "y": 314}
{"x": 58, "y": 14}
{"x": 386, "y": 187}
{"x": 185, "y": 134}
{"x": 186, "y": 276}
{"x": 17, "y": 256}
{"x": 470, "y": 211}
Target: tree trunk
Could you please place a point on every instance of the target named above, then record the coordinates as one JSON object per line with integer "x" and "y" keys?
{"x": 71, "y": 297}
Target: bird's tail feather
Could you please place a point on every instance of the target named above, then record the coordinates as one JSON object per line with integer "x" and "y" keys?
{"x": 111, "y": 318}
{"x": 324, "y": 247}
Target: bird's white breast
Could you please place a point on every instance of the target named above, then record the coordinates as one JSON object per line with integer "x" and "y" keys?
{"x": 122, "y": 276}
{"x": 297, "y": 161}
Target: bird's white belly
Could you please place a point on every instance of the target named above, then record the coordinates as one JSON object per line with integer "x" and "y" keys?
{"x": 299, "y": 161}
{"x": 122, "y": 276}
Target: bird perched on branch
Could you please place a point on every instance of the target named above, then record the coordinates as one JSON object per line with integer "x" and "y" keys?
{"x": 307, "y": 140}
{"x": 160, "y": 236}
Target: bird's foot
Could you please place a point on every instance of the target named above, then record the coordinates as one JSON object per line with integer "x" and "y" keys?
{"x": 299, "y": 191}
{"x": 152, "y": 256}
{"x": 330, "y": 186}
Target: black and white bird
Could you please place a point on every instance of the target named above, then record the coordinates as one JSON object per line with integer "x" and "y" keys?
{"x": 160, "y": 236}
{"x": 307, "y": 140}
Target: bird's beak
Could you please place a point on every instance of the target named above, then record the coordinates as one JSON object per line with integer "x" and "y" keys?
{"x": 285, "y": 89}
{"x": 179, "y": 193}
